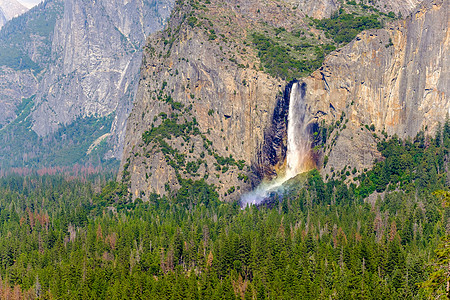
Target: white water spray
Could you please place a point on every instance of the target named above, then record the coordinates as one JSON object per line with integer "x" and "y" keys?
{"x": 298, "y": 145}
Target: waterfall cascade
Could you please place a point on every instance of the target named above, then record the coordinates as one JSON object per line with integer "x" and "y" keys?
{"x": 298, "y": 137}
{"x": 298, "y": 147}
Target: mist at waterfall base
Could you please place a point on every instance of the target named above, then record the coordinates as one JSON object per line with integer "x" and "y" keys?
{"x": 297, "y": 158}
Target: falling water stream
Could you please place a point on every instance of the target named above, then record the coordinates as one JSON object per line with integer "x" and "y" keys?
{"x": 298, "y": 146}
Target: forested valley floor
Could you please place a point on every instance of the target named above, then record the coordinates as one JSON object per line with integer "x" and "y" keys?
{"x": 356, "y": 235}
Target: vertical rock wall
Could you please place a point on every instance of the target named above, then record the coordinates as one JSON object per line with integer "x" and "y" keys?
{"x": 395, "y": 78}
{"x": 384, "y": 77}
{"x": 97, "y": 52}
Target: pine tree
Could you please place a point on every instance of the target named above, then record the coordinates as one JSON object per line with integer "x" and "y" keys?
{"x": 438, "y": 282}
{"x": 446, "y": 131}
{"x": 438, "y": 137}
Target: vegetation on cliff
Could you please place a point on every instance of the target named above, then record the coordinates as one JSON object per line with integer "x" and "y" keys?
{"x": 66, "y": 147}
{"x": 295, "y": 53}
{"x": 18, "y": 35}
{"x": 179, "y": 129}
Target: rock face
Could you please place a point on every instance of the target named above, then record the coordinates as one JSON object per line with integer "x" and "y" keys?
{"x": 317, "y": 9}
{"x": 192, "y": 78}
{"x": 96, "y": 49}
{"x": 3, "y": 19}
{"x": 217, "y": 84}
{"x": 25, "y": 46}
{"x": 82, "y": 59}
{"x": 14, "y": 85}
{"x": 12, "y": 8}
{"x": 395, "y": 78}
{"x": 325, "y": 8}
{"x": 403, "y": 7}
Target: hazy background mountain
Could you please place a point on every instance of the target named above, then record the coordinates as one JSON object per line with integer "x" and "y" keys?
{"x": 10, "y": 9}
{"x": 2, "y": 18}
{"x": 76, "y": 65}
{"x": 30, "y": 3}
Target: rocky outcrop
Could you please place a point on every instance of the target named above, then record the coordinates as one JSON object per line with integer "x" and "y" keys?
{"x": 12, "y": 8}
{"x": 203, "y": 68}
{"x": 317, "y": 9}
{"x": 395, "y": 78}
{"x": 80, "y": 59}
{"x": 400, "y": 7}
{"x": 96, "y": 53}
{"x": 197, "y": 68}
{"x": 23, "y": 59}
{"x": 14, "y": 86}
{"x": 3, "y": 19}
{"x": 325, "y": 8}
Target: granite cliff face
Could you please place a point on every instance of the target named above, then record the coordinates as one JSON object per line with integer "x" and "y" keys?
{"x": 395, "y": 78}
{"x": 25, "y": 47}
{"x": 325, "y": 8}
{"x": 203, "y": 96}
{"x": 201, "y": 64}
{"x": 402, "y": 7}
{"x": 96, "y": 53}
{"x": 11, "y": 9}
{"x": 81, "y": 59}
{"x": 78, "y": 59}
{"x": 317, "y": 9}
{"x": 3, "y": 19}
{"x": 14, "y": 85}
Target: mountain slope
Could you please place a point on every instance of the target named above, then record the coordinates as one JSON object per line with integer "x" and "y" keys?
{"x": 12, "y": 8}
{"x": 205, "y": 98}
{"x": 96, "y": 62}
{"x": 395, "y": 78}
{"x": 202, "y": 75}
{"x": 320, "y": 9}
{"x": 80, "y": 60}
{"x": 25, "y": 47}
{"x": 3, "y": 19}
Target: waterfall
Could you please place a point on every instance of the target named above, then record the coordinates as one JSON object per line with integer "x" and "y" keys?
{"x": 298, "y": 147}
{"x": 298, "y": 138}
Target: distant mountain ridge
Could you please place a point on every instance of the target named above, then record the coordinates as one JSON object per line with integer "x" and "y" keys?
{"x": 10, "y": 9}
{"x": 74, "y": 60}
{"x": 3, "y": 19}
